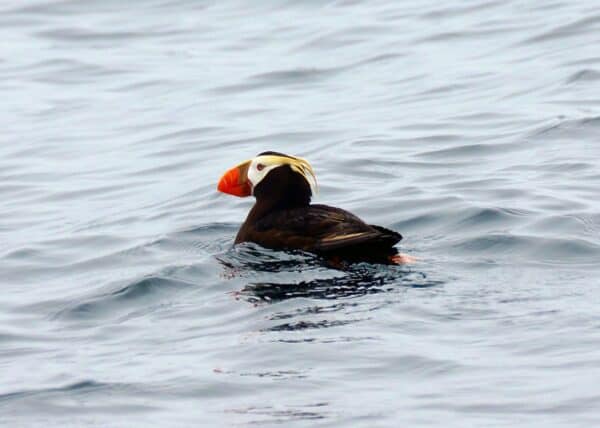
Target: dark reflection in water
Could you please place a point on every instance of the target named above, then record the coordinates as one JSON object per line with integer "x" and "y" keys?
{"x": 327, "y": 281}
{"x": 305, "y": 412}
{"x": 354, "y": 283}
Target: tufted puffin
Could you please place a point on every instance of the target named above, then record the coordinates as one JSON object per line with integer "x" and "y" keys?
{"x": 284, "y": 219}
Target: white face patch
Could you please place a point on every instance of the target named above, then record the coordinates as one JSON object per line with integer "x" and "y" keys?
{"x": 260, "y": 166}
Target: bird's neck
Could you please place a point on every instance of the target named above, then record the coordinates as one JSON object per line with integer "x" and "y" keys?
{"x": 265, "y": 206}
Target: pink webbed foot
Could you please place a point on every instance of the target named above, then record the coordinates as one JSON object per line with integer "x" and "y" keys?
{"x": 400, "y": 259}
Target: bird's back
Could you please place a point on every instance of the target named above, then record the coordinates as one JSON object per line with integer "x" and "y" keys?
{"x": 324, "y": 230}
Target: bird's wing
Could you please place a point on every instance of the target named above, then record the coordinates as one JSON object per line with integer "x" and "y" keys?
{"x": 322, "y": 228}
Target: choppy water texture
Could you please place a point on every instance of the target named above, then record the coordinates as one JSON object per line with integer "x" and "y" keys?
{"x": 473, "y": 128}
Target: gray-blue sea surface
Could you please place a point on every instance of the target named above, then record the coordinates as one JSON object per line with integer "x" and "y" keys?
{"x": 473, "y": 128}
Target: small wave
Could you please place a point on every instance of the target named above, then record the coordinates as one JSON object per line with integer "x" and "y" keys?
{"x": 301, "y": 77}
{"x": 69, "y": 398}
{"x": 470, "y": 151}
{"x": 570, "y": 128}
{"x": 535, "y": 248}
{"x": 337, "y": 39}
{"x": 487, "y": 217}
{"x": 575, "y": 28}
{"x": 445, "y": 11}
{"x": 77, "y": 386}
{"x": 140, "y": 295}
{"x": 80, "y": 35}
{"x": 466, "y": 36}
{"x": 586, "y": 75}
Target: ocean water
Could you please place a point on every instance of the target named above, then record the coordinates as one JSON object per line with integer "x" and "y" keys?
{"x": 473, "y": 128}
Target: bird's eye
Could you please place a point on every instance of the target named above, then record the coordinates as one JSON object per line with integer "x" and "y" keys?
{"x": 260, "y": 167}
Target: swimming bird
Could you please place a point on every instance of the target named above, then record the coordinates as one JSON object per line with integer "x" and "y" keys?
{"x": 283, "y": 217}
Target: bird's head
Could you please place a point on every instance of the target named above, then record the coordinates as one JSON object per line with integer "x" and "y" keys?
{"x": 268, "y": 172}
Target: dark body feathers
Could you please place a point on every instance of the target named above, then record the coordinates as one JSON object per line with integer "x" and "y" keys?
{"x": 283, "y": 218}
{"x": 324, "y": 230}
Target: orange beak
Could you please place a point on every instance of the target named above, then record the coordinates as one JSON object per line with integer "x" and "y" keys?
{"x": 235, "y": 181}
